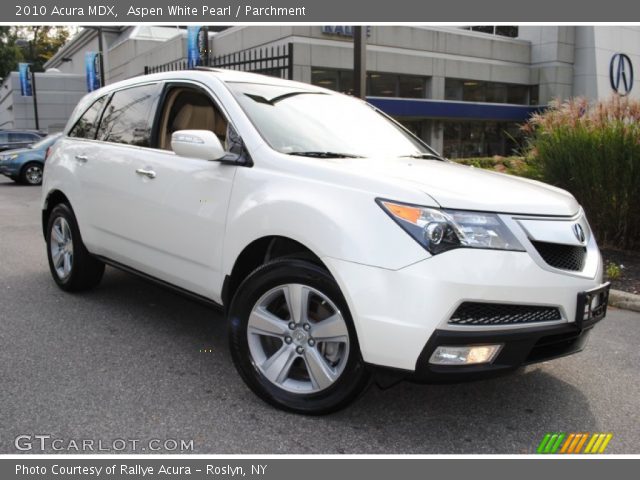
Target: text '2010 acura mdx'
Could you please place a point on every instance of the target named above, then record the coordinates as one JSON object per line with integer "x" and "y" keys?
{"x": 341, "y": 247}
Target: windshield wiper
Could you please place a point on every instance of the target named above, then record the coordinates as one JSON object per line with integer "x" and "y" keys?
{"x": 424, "y": 156}
{"x": 325, "y": 154}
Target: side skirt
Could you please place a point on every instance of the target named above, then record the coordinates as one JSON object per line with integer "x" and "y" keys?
{"x": 186, "y": 293}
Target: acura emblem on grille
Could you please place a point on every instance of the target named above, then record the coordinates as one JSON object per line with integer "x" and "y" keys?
{"x": 579, "y": 232}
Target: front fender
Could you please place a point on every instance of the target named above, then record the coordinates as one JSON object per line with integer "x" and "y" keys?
{"x": 331, "y": 220}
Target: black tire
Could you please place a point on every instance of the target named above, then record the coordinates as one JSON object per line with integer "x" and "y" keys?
{"x": 85, "y": 271}
{"x": 31, "y": 174}
{"x": 354, "y": 377}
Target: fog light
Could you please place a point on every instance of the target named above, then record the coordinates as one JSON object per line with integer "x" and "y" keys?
{"x": 464, "y": 354}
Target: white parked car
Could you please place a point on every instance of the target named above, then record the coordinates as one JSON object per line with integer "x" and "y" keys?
{"x": 339, "y": 244}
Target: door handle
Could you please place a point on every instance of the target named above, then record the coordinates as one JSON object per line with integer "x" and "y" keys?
{"x": 82, "y": 158}
{"x": 147, "y": 173}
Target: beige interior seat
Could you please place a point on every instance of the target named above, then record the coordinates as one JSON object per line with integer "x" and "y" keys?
{"x": 190, "y": 116}
{"x": 195, "y": 117}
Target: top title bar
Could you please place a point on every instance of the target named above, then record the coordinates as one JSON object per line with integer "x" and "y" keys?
{"x": 300, "y": 11}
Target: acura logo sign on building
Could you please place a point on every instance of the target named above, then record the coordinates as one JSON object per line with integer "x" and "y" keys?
{"x": 621, "y": 74}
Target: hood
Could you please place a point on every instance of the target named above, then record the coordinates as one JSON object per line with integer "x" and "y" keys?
{"x": 462, "y": 187}
{"x": 16, "y": 151}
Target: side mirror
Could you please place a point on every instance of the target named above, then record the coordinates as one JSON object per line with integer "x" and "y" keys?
{"x": 202, "y": 144}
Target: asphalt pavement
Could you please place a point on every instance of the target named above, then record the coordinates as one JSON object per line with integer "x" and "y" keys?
{"x": 133, "y": 361}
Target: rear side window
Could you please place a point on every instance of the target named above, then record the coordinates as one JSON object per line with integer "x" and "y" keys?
{"x": 87, "y": 125}
{"x": 129, "y": 116}
{"x": 21, "y": 137}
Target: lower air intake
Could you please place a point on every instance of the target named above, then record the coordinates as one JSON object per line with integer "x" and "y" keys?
{"x": 475, "y": 313}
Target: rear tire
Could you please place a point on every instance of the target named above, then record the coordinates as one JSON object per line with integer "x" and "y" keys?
{"x": 31, "y": 174}
{"x": 305, "y": 359}
{"x": 72, "y": 266}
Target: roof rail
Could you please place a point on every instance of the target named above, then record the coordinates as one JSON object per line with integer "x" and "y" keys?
{"x": 207, "y": 69}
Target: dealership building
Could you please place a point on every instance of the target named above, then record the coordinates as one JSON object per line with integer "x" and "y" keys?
{"x": 465, "y": 90}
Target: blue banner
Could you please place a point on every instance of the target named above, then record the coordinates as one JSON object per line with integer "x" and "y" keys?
{"x": 92, "y": 68}
{"x": 193, "y": 47}
{"x": 25, "y": 80}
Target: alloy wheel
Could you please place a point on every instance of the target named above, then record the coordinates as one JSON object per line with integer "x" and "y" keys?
{"x": 33, "y": 175}
{"x": 298, "y": 339}
{"x": 61, "y": 245}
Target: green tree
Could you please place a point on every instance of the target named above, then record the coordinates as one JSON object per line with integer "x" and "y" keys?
{"x": 40, "y": 42}
{"x": 10, "y": 53}
{"x": 32, "y": 44}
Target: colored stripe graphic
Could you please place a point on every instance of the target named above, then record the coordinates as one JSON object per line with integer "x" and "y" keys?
{"x": 567, "y": 442}
{"x": 572, "y": 443}
{"x": 556, "y": 445}
{"x": 593, "y": 439}
{"x": 606, "y": 441}
{"x": 581, "y": 442}
{"x": 543, "y": 443}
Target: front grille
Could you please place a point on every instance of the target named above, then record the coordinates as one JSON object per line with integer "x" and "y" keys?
{"x": 475, "y": 313}
{"x": 564, "y": 257}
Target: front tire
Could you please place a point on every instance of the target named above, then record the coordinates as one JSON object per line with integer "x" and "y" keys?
{"x": 31, "y": 174}
{"x": 72, "y": 266}
{"x": 292, "y": 338}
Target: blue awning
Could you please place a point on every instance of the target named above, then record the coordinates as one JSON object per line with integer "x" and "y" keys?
{"x": 447, "y": 109}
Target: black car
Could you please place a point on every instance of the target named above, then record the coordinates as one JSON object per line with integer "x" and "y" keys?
{"x": 11, "y": 139}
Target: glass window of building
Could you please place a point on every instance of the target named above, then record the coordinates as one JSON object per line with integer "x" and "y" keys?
{"x": 534, "y": 95}
{"x": 483, "y": 29}
{"x": 518, "y": 94}
{"x": 491, "y": 92}
{"x": 497, "y": 93}
{"x": 473, "y": 91}
{"x": 453, "y": 89}
{"x": 510, "y": 31}
{"x": 379, "y": 84}
{"x": 420, "y": 128}
{"x": 383, "y": 85}
{"x": 326, "y": 78}
{"x": 464, "y": 139}
{"x": 345, "y": 82}
{"x": 411, "y": 86}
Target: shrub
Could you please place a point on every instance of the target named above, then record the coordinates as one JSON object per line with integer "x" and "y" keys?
{"x": 613, "y": 271}
{"x": 593, "y": 150}
{"x": 521, "y": 166}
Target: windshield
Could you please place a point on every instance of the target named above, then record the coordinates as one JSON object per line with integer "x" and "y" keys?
{"x": 45, "y": 141}
{"x": 298, "y": 121}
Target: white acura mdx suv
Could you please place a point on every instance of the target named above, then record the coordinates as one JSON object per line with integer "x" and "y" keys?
{"x": 341, "y": 247}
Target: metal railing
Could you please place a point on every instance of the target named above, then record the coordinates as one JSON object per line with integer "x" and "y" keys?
{"x": 275, "y": 61}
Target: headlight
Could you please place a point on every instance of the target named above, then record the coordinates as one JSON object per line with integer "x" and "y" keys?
{"x": 439, "y": 230}
{"x": 13, "y": 156}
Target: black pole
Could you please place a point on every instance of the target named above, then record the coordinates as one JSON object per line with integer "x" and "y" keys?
{"x": 100, "y": 47}
{"x": 206, "y": 48}
{"x": 35, "y": 99}
{"x": 360, "y": 61}
{"x": 290, "y": 61}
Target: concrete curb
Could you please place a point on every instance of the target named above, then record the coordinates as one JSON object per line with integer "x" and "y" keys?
{"x": 627, "y": 301}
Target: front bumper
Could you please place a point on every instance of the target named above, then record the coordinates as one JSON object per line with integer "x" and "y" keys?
{"x": 9, "y": 169}
{"x": 399, "y": 314}
{"x": 519, "y": 348}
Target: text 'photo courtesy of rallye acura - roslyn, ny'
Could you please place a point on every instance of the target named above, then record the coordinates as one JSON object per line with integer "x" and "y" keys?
{"x": 343, "y": 250}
